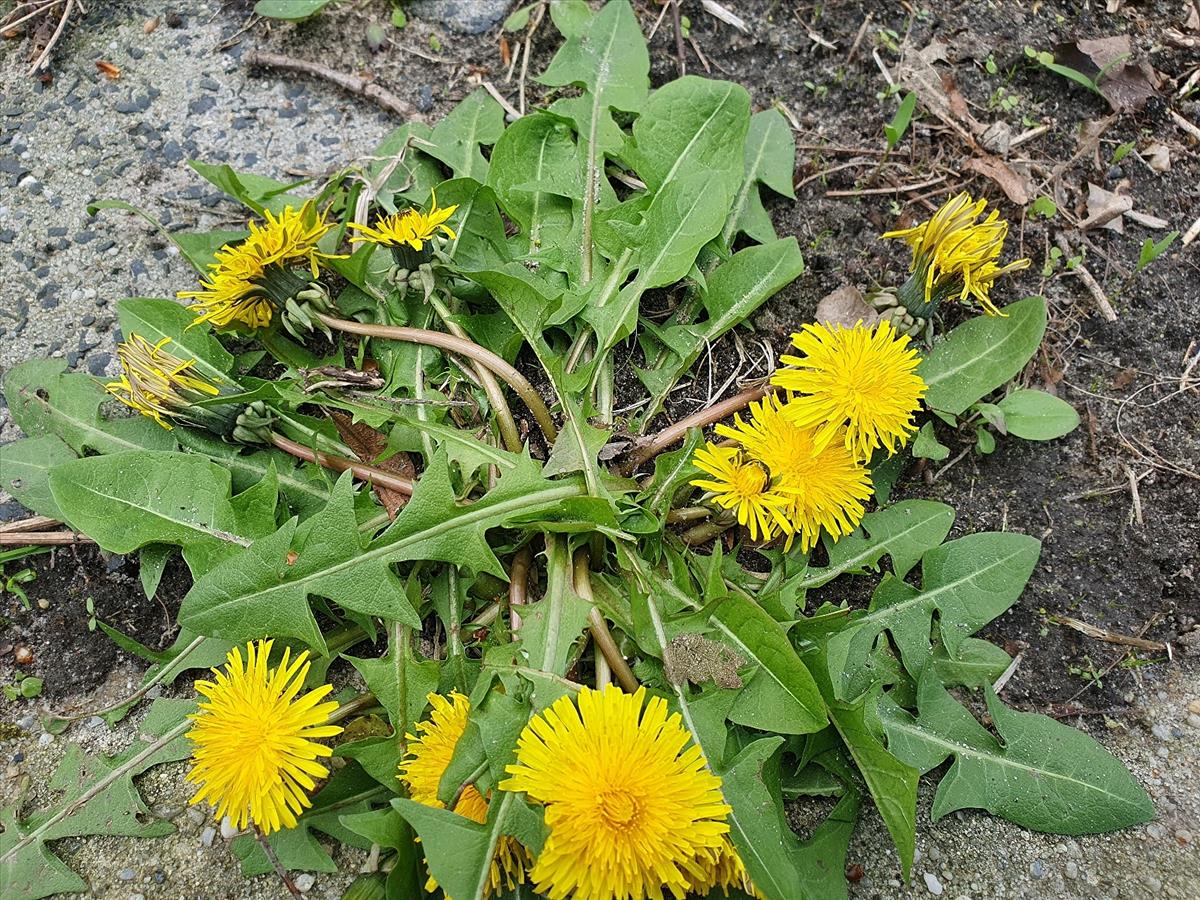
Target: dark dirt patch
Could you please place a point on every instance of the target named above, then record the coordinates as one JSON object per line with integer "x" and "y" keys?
{"x": 71, "y": 658}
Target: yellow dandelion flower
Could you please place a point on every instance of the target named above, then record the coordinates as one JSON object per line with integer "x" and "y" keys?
{"x": 826, "y": 487}
{"x": 743, "y": 487}
{"x": 411, "y": 228}
{"x": 291, "y": 237}
{"x": 955, "y": 253}
{"x": 630, "y": 803}
{"x": 247, "y": 280}
{"x": 422, "y": 769}
{"x": 723, "y": 869}
{"x": 156, "y": 383}
{"x": 256, "y": 757}
{"x": 230, "y": 292}
{"x": 862, "y": 378}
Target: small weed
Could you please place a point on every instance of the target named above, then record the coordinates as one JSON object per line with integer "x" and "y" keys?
{"x": 12, "y": 584}
{"x": 23, "y": 687}
{"x": 1152, "y": 250}
{"x": 899, "y": 125}
{"x": 1121, "y": 152}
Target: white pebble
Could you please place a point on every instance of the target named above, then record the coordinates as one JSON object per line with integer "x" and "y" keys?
{"x": 45, "y": 739}
{"x": 931, "y": 882}
{"x": 1193, "y": 720}
{"x": 1071, "y": 870}
{"x": 1161, "y": 731}
{"x": 304, "y": 882}
{"x": 95, "y": 722}
{"x": 207, "y": 835}
{"x": 228, "y": 832}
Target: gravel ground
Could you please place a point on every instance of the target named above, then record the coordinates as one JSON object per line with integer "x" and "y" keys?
{"x": 61, "y": 271}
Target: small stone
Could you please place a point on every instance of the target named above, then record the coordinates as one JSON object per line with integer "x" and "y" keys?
{"x": 1182, "y": 835}
{"x": 1156, "y": 831}
{"x": 304, "y": 882}
{"x": 1038, "y": 869}
{"x": 1193, "y": 720}
{"x": 1153, "y": 884}
{"x": 95, "y": 722}
{"x": 932, "y": 883}
{"x": 228, "y": 831}
{"x": 1194, "y": 707}
{"x": 137, "y": 897}
{"x": 194, "y": 815}
{"x": 159, "y": 876}
{"x": 463, "y": 16}
{"x": 127, "y": 874}
{"x": 1071, "y": 870}
{"x": 424, "y": 98}
{"x": 207, "y": 836}
{"x": 1164, "y": 753}
{"x": 43, "y": 603}
{"x": 1161, "y": 731}
{"x": 18, "y": 757}
{"x": 27, "y": 722}
{"x": 45, "y": 739}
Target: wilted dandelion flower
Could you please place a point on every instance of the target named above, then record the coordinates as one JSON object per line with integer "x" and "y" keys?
{"x": 422, "y": 769}
{"x": 743, "y": 487}
{"x": 825, "y": 487}
{"x": 256, "y": 756}
{"x": 247, "y": 281}
{"x": 861, "y": 378}
{"x": 411, "y": 228}
{"x": 953, "y": 253}
{"x": 722, "y": 869}
{"x": 630, "y": 803}
{"x": 156, "y": 383}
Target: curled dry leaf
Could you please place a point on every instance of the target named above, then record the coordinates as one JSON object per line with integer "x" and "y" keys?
{"x": 1016, "y": 186}
{"x": 1105, "y": 209}
{"x": 110, "y": 71}
{"x": 1158, "y": 157}
{"x": 846, "y": 307}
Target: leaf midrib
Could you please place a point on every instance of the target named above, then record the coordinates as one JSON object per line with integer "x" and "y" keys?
{"x": 990, "y": 351}
{"x": 960, "y": 750}
{"x": 886, "y": 612}
{"x": 829, "y": 573}
{"x": 216, "y": 533}
{"x": 470, "y": 516}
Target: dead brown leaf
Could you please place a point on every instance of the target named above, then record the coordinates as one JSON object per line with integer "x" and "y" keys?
{"x": 917, "y": 73}
{"x": 1123, "y": 379}
{"x": 1105, "y": 209}
{"x": 369, "y": 444}
{"x": 846, "y": 307}
{"x": 111, "y": 72}
{"x": 1017, "y": 187}
{"x": 1125, "y": 84}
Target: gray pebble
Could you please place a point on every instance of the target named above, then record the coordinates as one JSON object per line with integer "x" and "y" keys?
{"x": 1071, "y": 869}
{"x": 1193, "y": 720}
{"x": 26, "y": 723}
{"x": 1038, "y": 869}
{"x": 45, "y": 739}
{"x": 932, "y": 883}
{"x": 304, "y": 882}
{"x": 207, "y": 836}
{"x": 1161, "y": 731}
{"x": 463, "y": 16}
{"x": 127, "y": 874}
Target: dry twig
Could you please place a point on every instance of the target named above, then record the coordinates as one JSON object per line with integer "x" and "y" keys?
{"x": 1102, "y": 304}
{"x": 352, "y": 83}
